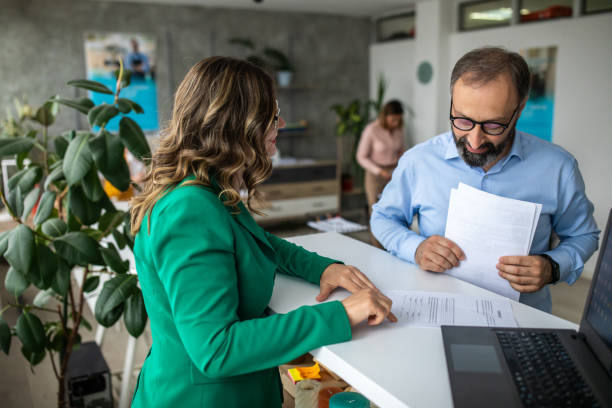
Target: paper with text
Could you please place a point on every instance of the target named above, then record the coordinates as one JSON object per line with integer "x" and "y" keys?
{"x": 432, "y": 309}
{"x": 486, "y": 227}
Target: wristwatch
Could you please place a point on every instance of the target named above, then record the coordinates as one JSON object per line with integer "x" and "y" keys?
{"x": 556, "y": 275}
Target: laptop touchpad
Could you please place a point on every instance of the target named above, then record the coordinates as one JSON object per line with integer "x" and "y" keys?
{"x": 475, "y": 358}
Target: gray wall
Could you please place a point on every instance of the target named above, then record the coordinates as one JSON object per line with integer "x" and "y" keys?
{"x": 41, "y": 48}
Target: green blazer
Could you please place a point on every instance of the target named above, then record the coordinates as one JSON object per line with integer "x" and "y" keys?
{"x": 207, "y": 277}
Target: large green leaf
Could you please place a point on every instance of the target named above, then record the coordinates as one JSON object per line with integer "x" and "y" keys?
{"x": 30, "y": 201}
{"x": 28, "y": 178}
{"x": 45, "y": 115}
{"x": 101, "y": 114}
{"x": 15, "y": 201}
{"x": 15, "y": 283}
{"x": 33, "y": 357}
{"x": 10, "y": 145}
{"x": 45, "y": 207}
{"x": 56, "y": 174}
{"x": 5, "y": 336}
{"x": 43, "y": 297}
{"x": 91, "y": 185}
{"x": 43, "y": 271}
{"x": 90, "y": 85}
{"x": 4, "y": 237}
{"x": 54, "y": 227}
{"x": 125, "y": 106}
{"x": 61, "y": 144}
{"x": 86, "y": 211}
{"x": 113, "y": 259}
{"x": 61, "y": 283}
{"x": 31, "y": 332}
{"x": 82, "y": 105}
{"x": 21, "y": 249}
{"x": 78, "y": 249}
{"x": 112, "y": 297}
{"x": 78, "y": 159}
{"x": 135, "y": 315}
{"x": 110, "y": 220}
{"x": 107, "y": 151}
{"x": 119, "y": 238}
{"x": 133, "y": 138}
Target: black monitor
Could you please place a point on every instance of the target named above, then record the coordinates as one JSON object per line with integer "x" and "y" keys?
{"x": 596, "y": 323}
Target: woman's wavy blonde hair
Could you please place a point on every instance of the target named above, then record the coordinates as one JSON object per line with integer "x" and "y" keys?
{"x": 222, "y": 111}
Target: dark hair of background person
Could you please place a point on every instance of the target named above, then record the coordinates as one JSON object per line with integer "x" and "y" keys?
{"x": 392, "y": 107}
{"x": 222, "y": 111}
{"x": 483, "y": 65}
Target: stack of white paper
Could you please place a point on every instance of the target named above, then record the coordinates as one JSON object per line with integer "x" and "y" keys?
{"x": 487, "y": 227}
{"x": 336, "y": 224}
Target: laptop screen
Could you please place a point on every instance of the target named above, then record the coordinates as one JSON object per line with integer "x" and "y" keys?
{"x": 599, "y": 312}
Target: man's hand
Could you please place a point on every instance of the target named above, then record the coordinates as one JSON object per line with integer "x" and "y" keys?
{"x": 437, "y": 254}
{"x": 525, "y": 273}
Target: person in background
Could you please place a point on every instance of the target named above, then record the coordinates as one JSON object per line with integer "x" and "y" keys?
{"x": 380, "y": 147}
{"x": 489, "y": 88}
{"x": 207, "y": 269}
{"x": 137, "y": 62}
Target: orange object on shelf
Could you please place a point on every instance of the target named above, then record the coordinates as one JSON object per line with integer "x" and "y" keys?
{"x": 325, "y": 394}
{"x": 117, "y": 194}
{"x": 547, "y": 13}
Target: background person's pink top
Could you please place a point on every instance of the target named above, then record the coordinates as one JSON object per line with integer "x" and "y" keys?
{"x": 379, "y": 148}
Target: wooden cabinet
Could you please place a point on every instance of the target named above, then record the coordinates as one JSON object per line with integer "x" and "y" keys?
{"x": 301, "y": 191}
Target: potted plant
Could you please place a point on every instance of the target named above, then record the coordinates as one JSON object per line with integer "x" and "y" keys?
{"x": 270, "y": 59}
{"x": 64, "y": 221}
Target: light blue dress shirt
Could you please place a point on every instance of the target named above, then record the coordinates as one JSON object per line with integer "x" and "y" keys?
{"x": 534, "y": 170}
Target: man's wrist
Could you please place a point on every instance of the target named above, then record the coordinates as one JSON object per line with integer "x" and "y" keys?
{"x": 555, "y": 272}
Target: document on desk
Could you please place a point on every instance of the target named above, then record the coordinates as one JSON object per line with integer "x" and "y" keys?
{"x": 432, "y": 309}
{"x": 487, "y": 227}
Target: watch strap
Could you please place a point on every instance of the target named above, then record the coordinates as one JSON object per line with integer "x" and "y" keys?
{"x": 556, "y": 274}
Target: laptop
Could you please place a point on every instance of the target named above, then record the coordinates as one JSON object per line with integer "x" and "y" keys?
{"x": 513, "y": 367}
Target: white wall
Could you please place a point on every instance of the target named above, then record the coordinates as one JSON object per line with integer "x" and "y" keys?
{"x": 582, "y": 121}
{"x": 393, "y": 60}
{"x": 583, "y": 89}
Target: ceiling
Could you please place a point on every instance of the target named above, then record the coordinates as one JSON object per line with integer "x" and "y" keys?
{"x": 362, "y": 8}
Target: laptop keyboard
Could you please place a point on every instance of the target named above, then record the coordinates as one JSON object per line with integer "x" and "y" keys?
{"x": 543, "y": 372}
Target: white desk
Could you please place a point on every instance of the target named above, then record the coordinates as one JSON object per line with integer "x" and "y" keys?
{"x": 393, "y": 366}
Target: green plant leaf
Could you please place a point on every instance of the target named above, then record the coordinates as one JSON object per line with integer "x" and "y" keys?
{"x": 4, "y": 237}
{"x": 42, "y": 298}
{"x": 107, "y": 150}
{"x": 111, "y": 301}
{"x": 15, "y": 202}
{"x": 30, "y": 201}
{"x": 45, "y": 115}
{"x": 55, "y": 175}
{"x": 135, "y": 315}
{"x": 133, "y": 138}
{"x": 78, "y": 249}
{"x": 91, "y": 283}
{"x": 43, "y": 271}
{"x": 82, "y": 105}
{"x": 126, "y": 105}
{"x": 15, "y": 283}
{"x": 15, "y": 178}
{"x": 54, "y": 227}
{"x": 119, "y": 239}
{"x": 91, "y": 185}
{"x": 85, "y": 323}
{"x": 26, "y": 178}
{"x": 90, "y": 85}
{"x": 61, "y": 144}
{"x": 61, "y": 282}
{"x": 45, "y": 207}
{"x": 31, "y": 332}
{"x": 110, "y": 220}
{"x": 78, "y": 159}
{"x": 72, "y": 222}
{"x": 10, "y": 145}
{"x": 5, "y": 336}
{"x": 33, "y": 357}
{"x": 113, "y": 259}
{"x": 101, "y": 114}
{"x": 86, "y": 211}
{"x": 94, "y": 233}
{"x": 21, "y": 249}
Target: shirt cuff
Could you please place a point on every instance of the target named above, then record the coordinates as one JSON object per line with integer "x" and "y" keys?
{"x": 407, "y": 249}
{"x": 566, "y": 273}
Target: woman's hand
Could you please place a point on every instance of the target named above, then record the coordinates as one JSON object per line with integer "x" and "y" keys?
{"x": 367, "y": 302}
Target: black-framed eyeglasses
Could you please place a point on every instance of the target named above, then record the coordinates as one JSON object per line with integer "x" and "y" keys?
{"x": 489, "y": 127}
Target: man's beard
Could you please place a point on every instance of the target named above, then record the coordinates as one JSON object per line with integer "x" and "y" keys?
{"x": 481, "y": 159}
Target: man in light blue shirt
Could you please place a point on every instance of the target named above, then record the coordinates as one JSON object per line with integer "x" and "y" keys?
{"x": 489, "y": 88}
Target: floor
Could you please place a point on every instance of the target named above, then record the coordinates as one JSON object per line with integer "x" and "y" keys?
{"x": 23, "y": 387}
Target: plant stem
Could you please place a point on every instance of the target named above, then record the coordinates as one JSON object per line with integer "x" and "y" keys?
{"x": 44, "y": 309}
{"x": 4, "y": 309}
{"x": 53, "y": 364}
{"x": 45, "y": 134}
{"x": 72, "y": 302}
{"x": 8, "y": 208}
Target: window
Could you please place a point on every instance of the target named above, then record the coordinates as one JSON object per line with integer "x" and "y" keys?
{"x": 396, "y": 27}
{"x": 596, "y": 6}
{"x": 484, "y": 14}
{"x": 538, "y": 10}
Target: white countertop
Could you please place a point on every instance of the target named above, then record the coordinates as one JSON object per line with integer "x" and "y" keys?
{"x": 392, "y": 365}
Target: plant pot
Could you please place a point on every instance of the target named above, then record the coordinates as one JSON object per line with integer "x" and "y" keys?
{"x": 283, "y": 78}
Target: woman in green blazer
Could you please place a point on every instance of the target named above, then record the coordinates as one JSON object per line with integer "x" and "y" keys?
{"x": 207, "y": 269}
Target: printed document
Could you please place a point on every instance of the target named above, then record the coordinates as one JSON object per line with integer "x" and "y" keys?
{"x": 487, "y": 227}
{"x": 432, "y": 309}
